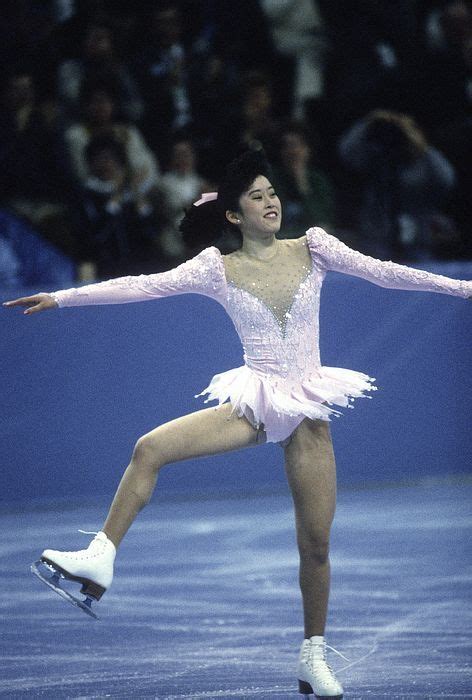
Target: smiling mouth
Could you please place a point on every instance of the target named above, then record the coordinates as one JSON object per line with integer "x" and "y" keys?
{"x": 271, "y": 215}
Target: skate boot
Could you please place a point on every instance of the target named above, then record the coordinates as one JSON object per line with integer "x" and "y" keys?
{"x": 92, "y": 567}
{"x": 314, "y": 674}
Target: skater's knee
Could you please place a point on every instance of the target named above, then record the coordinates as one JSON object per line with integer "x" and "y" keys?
{"x": 314, "y": 547}
{"x": 146, "y": 453}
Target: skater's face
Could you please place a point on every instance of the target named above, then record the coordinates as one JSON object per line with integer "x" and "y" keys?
{"x": 260, "y": 210}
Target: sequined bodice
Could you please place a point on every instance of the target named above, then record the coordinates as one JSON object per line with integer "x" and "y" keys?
{"x": 274, "y": 306}
{"x": 276, "y": 281}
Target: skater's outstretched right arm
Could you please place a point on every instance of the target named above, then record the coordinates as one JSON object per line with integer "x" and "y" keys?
{"x": 34, "y": 303}
{"x": 200, "y": 275}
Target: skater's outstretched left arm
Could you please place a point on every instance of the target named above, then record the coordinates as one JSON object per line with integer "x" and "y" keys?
{"x": 200, "y": 275}
{"x": 331, "y": 254}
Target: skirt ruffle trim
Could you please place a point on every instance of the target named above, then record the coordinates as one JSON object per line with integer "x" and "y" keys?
{"x": 275, "y": 409}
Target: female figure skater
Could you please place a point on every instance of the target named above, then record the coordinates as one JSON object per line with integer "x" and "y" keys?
{"x": 270, "y": 288}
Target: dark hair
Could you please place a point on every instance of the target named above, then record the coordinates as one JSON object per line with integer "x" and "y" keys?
{"x": 106, "y": 142}
{"x": 206, "y": 224}
{"x": 100, "y": 84}
{"x": 394, "y": 136}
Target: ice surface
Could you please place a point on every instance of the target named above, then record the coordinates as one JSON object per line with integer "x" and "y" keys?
{"x": 205, "y": 602}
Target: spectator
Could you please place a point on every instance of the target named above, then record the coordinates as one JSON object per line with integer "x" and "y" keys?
{"x": 161, "y": 67}
{"x": 180, "y": 187}
{"x": 258, "y": 121}
{"x": 26, "y": 37}
{"x": 405, "y": 182}
{"x": 116, "y": 223}
{"x": 99, "y": 62}
{"x": 444, "y": 87}
{"x": 374, "y": 47}
{"x": 445, "y": 76}
{"x": 31, "y": 179}
{"x": 241, "y": 35}
{"x": 258, "y": 125}
{"x": 99, "y": 106}
{"x": 306, "y": 191}
{"x": 252, "y": 124}
{"x": 298, "y": 33}
{"x": 26, "y": 142}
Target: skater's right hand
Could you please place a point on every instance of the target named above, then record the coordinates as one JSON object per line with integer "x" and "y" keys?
{"x": 36, "y": 302}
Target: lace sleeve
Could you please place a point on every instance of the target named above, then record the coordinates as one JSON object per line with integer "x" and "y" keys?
{"x": 200, "y": 275}
{"x": 332, "y": 254}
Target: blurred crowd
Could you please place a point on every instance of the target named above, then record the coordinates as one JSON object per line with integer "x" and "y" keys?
{"x": 117, "y": 115}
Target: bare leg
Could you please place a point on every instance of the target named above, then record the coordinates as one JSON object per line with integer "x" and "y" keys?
{"x": 206, "y": 432}
{"x": 311, "y": 473}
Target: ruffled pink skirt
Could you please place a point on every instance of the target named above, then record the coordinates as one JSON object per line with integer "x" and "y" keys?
{"x": 278, "y": 407}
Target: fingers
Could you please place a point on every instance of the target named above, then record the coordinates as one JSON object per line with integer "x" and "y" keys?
{"x": 34, "y": 309}
{"x": 37, "y": 302}
{"x": 41, "y": 306}
{"x": 22, "y": 301}
{"x": 14, "y": 302}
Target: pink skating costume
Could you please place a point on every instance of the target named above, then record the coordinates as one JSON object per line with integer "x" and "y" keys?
{"x": 275, "y": 310}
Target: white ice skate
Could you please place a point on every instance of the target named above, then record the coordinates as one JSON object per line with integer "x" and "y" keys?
{"x": 92, "y": 567}
{"x": 314, "y": 674}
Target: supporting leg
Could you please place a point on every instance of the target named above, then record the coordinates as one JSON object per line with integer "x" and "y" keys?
{"x": 311, "y": 474}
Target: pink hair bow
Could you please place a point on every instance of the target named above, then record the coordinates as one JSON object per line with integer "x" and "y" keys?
{"x": 206, "y": 197}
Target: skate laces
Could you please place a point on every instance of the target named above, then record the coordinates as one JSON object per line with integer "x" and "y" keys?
{"x": 314, "y": 654}
{"x": 337, "y": 652}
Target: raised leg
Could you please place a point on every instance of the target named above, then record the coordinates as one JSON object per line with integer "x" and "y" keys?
{"x": 206, "y": 432}
{"x": 311, "y": 474}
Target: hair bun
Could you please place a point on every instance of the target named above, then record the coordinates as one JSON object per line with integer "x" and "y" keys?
{"x": 206, "y": 223}
{"x": 202, "y": 225}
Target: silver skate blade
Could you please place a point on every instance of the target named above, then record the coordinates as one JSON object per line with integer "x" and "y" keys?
{"x": 52, "y": 581}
